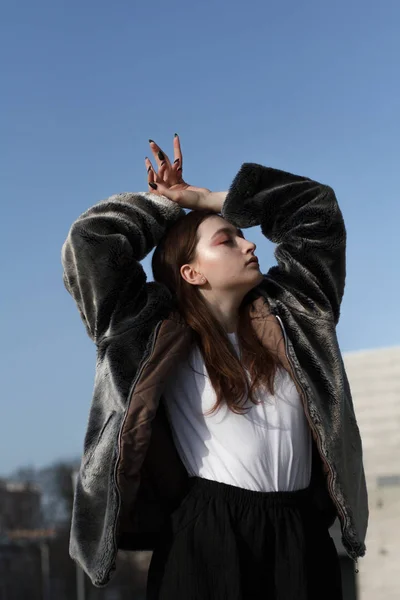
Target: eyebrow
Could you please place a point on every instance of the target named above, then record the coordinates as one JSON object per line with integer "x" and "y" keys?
{"x": 228, "y": 230}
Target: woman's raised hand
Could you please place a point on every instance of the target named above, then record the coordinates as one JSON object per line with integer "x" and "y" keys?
{"x": 168, "y": 179}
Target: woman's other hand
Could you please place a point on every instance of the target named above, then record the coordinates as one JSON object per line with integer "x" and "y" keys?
{"x": 168, "y": 180}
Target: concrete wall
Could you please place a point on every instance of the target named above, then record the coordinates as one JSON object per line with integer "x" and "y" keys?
{"x": 374, "y": 377}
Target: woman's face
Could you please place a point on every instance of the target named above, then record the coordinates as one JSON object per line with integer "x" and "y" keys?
{"x": 222, "y": 257}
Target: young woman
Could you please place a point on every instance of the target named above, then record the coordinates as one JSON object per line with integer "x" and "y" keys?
{"x": 222, "y": 433}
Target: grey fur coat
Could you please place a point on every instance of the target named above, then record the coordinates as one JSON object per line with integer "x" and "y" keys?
{"x": 131, "y": 478}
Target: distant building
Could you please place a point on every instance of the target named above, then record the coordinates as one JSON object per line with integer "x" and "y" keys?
{"x": 20, "y": 549}
{"x": 374, "y": 377}
{"x": 20, "y": 506}
{"x": 24, "y": 564}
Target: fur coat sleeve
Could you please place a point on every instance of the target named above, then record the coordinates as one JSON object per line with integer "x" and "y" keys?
{"x": 303, "y": 218}
{"x": 101, "y": 259}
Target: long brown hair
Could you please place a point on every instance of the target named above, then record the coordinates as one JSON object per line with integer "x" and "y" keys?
{"x": 226, "y": 372}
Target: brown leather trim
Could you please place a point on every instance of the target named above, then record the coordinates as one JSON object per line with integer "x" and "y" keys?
{"x": 269, "y": 332}
{"x": 172, "y": 343}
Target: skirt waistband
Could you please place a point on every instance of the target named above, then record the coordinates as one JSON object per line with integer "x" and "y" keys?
{"x": 231, "y": 493}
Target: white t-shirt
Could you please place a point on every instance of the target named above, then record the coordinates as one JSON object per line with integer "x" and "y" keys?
{"x": 268, "y": 449}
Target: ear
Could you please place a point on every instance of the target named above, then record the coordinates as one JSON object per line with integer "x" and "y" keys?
{"x": 190, "y": 275}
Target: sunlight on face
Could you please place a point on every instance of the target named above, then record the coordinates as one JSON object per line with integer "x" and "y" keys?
{"x": 223, "y": 255}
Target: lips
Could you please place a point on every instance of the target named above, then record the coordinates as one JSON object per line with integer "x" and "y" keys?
{"x": 252, "y": 260}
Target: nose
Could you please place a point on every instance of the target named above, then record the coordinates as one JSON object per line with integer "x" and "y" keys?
{"x": 251, "y": 247}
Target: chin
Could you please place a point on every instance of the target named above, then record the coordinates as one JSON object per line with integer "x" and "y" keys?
{"x": 258, "y": 279}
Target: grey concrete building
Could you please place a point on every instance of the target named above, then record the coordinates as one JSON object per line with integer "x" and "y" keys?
{"x": 374, "y": 377}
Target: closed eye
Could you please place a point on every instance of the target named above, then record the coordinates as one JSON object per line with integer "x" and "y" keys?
{"x": 230, "y": 241}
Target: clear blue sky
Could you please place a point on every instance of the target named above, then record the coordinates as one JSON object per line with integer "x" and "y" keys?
{"x": 310, "y": 87}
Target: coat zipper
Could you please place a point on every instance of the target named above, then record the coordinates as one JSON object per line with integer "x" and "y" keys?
{"x": 353, "y": 554}
{"x": 132, "y": 388}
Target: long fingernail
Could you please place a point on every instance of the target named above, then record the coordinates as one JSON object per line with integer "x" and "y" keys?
{"x": 151, "y": 142}
{"x": 161, "y": 155}
{"x": 153, "y": 185}
{"x": 176, "y": 135}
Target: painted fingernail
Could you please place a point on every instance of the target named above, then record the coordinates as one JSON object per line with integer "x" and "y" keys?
{"x": 153, "y": 185}
{"x": 176, "y": 135}
{"x": 176, "y": 161}
{"x": 161, "y": 155}
{"x": 151, "y": 142}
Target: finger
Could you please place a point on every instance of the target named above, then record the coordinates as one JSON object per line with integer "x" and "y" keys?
{"x": 177, "y": 149}
{"x": 158, "y": 154}
{"x": 164, "y": 171}
{"x": 178, "y": 159}
{"x": 151, "y": 175}
{"x": 162, "y": 174}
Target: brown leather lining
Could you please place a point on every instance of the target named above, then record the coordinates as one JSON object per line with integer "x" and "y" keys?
{"x": 172, "y": 342}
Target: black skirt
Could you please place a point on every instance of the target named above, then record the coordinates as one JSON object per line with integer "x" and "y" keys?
{"x": 225, "y": 542}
